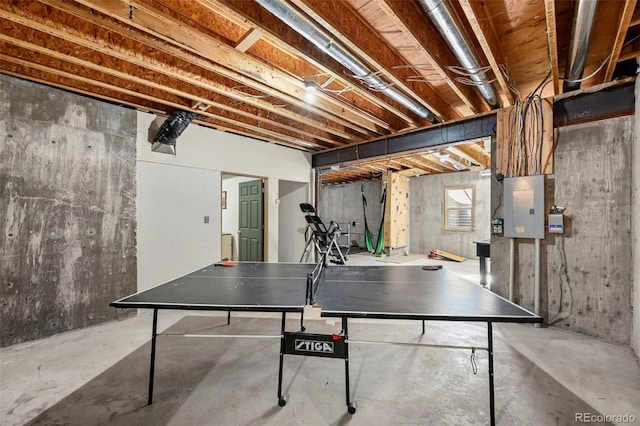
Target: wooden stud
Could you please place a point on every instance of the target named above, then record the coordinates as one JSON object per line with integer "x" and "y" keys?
{"x": 486, "y": 35}
{"x": 625, "y": 20}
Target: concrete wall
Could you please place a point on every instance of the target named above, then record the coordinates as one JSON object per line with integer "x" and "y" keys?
{"x": 67, "y": 185}
{"x": 586, "y": 274}
{"x": 426, "y": 219}
{"x": 635, "y": 225}
{"x": 182, "y": 242}
{"x": 343, "y": 204}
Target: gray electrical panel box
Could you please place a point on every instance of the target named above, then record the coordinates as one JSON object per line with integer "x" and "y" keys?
{"x": 524, "y": 211}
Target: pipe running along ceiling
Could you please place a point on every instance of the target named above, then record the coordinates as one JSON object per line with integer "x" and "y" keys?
{"x": 294, "y": 19}
{"x": 449, "y": 26}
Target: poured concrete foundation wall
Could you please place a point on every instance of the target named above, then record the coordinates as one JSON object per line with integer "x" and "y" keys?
{"x": 426, "y": 219}
{"x": 635, "y": 225}
{"x": 68, "y": 187}
{"x": 586, "y": 277}
{"x": 343, "y": 204}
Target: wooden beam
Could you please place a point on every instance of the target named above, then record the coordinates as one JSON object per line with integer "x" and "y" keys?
{"x": 109, "y": 43}
{"x": 429, "y": 42}
{"x": 625, "y": 20}
{"x": 485, "y": 33}
{"x": 635, "y": 18}
{"x": 475, "y": 154}
{"x": 357, "y": 36}
{"x": 279, "y": 37}
{"x": 445, "y": 165}
{"x": 68, "y": 81}
{"x": 163, "y": 86}
{"x": 630, "y": 54}
{"x": 552, "y": 44}
{"x": 232, "y": 63}
{"x": 417, "y": 165}
{"x": 476, "y": 151}
{"x": 249, "y": 39}
{"x": 250, "y": 131}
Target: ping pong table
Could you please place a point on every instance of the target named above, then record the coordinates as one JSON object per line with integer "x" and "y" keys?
{"x": 315, "y": 290}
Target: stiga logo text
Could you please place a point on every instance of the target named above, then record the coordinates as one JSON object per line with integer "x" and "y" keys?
{"x": 314, "y": 346}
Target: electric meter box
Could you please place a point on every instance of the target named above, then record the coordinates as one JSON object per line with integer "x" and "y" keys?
{"x": 556, "y": 223}
{"x": 524, "y": 211}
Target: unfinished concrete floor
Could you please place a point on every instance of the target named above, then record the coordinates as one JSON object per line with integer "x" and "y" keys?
{"x": 99, "y": 375}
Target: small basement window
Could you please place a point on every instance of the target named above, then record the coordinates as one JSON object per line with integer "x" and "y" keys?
{"x": 458, "y": 208}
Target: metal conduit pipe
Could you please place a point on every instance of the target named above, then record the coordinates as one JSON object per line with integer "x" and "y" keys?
{"x": 450, "y": 27}
{"x": 296, "y": 21}
{"x": 584, "y": 11}
{"x": 512, "y": 268}
{"x": 537, "y": 272}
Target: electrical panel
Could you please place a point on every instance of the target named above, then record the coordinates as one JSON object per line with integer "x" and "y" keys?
{"x": 524, "y": 211}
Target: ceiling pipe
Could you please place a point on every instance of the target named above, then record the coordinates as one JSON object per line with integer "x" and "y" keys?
{"x": 584, "y": 12}
{"x": 450, "y": 27}
{"x": 298, "y": 23}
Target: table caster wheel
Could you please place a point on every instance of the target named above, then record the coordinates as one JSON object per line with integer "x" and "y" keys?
{"x": 351, "y": 408}
{"x": 282, "y": 401}
{"x": 303, "y": 328}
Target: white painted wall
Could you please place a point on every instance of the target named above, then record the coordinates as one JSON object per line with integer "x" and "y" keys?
{"x": 172, "y": 236}
{"x": 291, "y": 238}
{"x": 174, "y": 193}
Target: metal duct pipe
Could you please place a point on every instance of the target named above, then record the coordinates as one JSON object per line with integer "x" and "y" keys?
{"x": 173, "y": 126}
{"x": 584, "y": 12}
{"x": 296, "y": 21}
{"x": 450, "y": 27}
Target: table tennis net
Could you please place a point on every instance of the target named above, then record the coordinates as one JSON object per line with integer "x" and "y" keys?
{"x": 313, "y": 281}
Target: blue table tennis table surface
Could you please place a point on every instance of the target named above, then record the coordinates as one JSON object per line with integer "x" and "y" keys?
{"x": 388, "y": 292}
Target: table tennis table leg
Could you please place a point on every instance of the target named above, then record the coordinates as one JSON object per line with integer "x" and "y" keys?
{"x": 483, "y": 270}
{"x": 152, "y": 364}
{"x": 282, "y": 399}
{"x": 491, "y": 391}
{"x": 351, "y": 406}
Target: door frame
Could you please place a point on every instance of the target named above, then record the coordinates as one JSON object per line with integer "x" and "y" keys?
{"x": 265, "y": 209}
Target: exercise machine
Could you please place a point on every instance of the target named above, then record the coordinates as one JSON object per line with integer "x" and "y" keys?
{"x": 323, "y": 239}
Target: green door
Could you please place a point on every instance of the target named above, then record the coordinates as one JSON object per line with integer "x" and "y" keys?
{"x": 251, "y": 226}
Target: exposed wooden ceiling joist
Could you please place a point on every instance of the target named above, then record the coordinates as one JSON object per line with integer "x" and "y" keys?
{"x": 242, "y": 69}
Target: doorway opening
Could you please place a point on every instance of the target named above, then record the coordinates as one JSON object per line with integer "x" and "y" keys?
{"x": 243, "y": 218}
